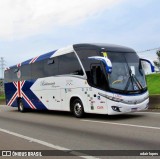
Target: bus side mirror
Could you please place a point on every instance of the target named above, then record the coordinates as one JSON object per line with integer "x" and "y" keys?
{"x": 151, "y": 65}
{"x": 105, "y": 60}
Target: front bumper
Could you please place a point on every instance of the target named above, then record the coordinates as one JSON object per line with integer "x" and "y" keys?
{"x": 126, "y": 108}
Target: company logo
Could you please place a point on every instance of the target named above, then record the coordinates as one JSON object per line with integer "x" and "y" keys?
{"x": 21, "y": 153}
{"x": 69, "y": 82}
{"x": 19, "y": 74}
{"x": 100, "y": 107}
{"x": 6, "y": 153}
{"x": 44, "y": 83}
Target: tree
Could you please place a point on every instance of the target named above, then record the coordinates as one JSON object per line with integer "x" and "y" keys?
{"x": 157, "y": 62}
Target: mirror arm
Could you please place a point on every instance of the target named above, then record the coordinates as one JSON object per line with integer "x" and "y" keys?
{"x": 151, "y": 65}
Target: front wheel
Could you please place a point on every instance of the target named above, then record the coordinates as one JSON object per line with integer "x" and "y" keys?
{"x": 78, "y": 110}
{"x": 21, "y": 106}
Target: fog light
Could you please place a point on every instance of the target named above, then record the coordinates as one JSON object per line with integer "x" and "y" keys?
{"x": 115, "y": 108}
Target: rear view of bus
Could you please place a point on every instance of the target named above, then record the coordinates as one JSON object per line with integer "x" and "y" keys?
{"x": 116, "y": 74}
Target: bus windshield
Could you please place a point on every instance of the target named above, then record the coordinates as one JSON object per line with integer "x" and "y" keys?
{"x": 127, "y": 73}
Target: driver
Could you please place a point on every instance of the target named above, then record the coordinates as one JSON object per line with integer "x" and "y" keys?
{"x": 118, "y": 75}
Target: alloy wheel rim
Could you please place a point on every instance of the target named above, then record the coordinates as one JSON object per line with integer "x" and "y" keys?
{"x": 78, "y": 108}
{"x": 21, "y": 106}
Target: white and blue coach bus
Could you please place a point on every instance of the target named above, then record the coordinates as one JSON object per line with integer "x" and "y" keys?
{"x": 82, "y": 78}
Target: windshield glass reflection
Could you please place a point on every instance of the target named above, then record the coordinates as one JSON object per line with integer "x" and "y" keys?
{"x": 127, "y": 74}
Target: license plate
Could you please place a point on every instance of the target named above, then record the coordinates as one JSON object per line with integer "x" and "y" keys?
{"x": 134, "y": 109}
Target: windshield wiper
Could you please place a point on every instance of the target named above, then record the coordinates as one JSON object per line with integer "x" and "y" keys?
{"x": 137, "y": 82}
{"x": 127, "y": 85}
{"x": 132, "y": 79}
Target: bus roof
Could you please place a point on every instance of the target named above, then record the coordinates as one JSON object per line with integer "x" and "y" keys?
{"x": 108, "y": 47}
{"x": 35, "y": 59}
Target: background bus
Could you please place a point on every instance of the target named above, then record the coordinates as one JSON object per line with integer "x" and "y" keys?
{"x": 82, "y": 78}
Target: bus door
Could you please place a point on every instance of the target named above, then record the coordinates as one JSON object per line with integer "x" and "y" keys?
{"x": 99, "y": 84}
{"x": 97, "y": 78}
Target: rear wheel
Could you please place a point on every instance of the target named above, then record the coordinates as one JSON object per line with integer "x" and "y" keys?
{"x": 77, "y": 108}
{"x": 21, "y": 106}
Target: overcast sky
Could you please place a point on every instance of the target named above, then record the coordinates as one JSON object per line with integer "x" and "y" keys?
{"x": 32, "y": 27}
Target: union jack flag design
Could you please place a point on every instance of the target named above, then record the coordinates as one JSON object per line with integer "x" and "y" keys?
{"x": 21, "y": 89}
{"x": 19, "y": 93}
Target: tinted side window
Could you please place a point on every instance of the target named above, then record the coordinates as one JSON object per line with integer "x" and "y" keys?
{"x": 16, "y": 74}
{"x": 13, "y": 74}
{"x": 26, "y": 72}
{"x": 37, "y": 69}
{"x": 84, "y": 54}
{"x": 97, "y": 78}
{"x": 51, "y": 67}
{"x": 69, "y": 64}
{"x": 8, "y": 76}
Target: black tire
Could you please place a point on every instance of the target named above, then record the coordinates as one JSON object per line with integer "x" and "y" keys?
{"x": 77, "y": 108}
{"x": 21, "y": 106}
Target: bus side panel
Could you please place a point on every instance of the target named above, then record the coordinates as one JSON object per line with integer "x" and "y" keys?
{"x": 74, "y": 93}
{"x": 47, "y": 90}
{"x": 30, "y": 99}
{"x": 13, "y": 91}
{"x": 73, "y": 87}
{"x": 98, "y": 104}
{"x": 10, "y": 94}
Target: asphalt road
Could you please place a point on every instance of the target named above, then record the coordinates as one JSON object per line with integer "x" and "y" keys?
{"x": 61, "y": 131}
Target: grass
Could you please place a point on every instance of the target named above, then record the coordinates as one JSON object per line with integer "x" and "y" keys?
{"x": 153, "y": 83}
{"x": 2, "y": 96}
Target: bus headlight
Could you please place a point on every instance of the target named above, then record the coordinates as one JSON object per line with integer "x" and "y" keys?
{"x": 117, "y": 99}
{"x": 111, "y": 98}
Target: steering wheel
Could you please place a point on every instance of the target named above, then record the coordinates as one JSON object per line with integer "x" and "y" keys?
{"x": 117, "y": 81}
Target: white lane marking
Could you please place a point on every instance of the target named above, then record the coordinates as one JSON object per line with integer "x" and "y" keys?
{"x": 121, "y": 124}
{"x": 149, "y": 113}
{"x": 47, "y": 144}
